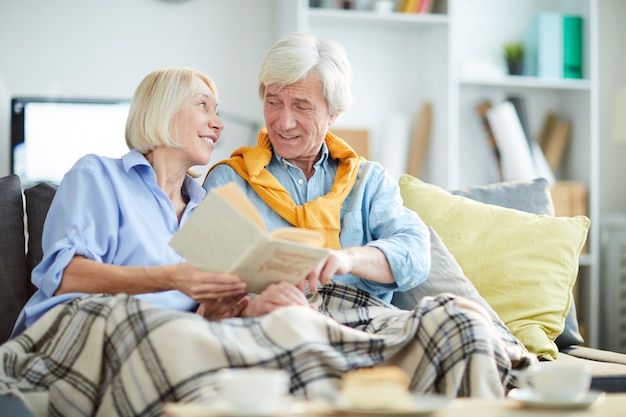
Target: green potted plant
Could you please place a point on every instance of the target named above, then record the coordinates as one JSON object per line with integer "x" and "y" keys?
{"x": 514, "y": 57}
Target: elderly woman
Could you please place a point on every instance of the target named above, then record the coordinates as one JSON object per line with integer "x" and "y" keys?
{"x": 108, "y": 228}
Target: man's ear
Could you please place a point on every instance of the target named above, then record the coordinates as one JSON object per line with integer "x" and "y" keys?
{"x": 332, "y": 119}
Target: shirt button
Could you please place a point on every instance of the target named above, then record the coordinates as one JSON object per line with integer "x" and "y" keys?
{"x": 300, "y": 181}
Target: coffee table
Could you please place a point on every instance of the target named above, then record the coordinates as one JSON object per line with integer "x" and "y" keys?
{"x": 613, "y": 405}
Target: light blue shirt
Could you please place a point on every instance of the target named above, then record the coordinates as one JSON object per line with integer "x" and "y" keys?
{"x": 111, "y": 211}
{"x": 372, "y": 214}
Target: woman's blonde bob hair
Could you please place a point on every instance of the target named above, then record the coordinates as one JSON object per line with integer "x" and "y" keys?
{"x": 159, "y": 96}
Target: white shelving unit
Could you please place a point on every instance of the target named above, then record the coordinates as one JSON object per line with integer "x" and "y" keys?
{"x": 478, "y": 29}
{"x": 401, "y": 60}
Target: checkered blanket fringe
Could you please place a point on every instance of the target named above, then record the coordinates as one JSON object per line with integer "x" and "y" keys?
{"x": 117, "y": 356}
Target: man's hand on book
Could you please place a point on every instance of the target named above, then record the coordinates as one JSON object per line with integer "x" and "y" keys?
{"x": 338, "y": 262}
{"x": 280, "y": 294}
{"x": 362, "y": 261}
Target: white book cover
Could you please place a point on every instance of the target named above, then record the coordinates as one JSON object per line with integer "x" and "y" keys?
{"x": 541, "y": 163}
{"x": 516, "y": 156}
{"x": 226, "y": 234}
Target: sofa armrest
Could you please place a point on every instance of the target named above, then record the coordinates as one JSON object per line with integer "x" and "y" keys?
{"x": 597, "y": 355}
{"x": 608, "y": 369}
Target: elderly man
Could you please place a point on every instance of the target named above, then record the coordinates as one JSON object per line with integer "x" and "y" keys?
{"x": 300, "y": 174}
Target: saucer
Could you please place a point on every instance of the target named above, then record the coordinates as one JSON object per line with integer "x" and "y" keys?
{"x": 530, "y": 398}
{"x": 423, "y": 405}
{"x": 220, "y": 410}
{"x": 286, "y": 407}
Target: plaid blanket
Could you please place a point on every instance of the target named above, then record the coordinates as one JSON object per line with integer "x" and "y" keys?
{"x": 117, "y": 356}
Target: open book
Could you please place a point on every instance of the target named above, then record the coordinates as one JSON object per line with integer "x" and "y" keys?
{"x": 226, "y": 233}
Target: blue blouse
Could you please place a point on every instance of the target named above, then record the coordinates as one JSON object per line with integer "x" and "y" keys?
{"x": 111, "y": 211}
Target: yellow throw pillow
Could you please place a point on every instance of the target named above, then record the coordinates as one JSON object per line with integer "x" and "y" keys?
{"x": 523, "y": 264}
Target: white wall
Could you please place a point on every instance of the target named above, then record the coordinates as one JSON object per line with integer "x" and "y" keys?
{"x": 612, "y": 55}
{"x": 102, "y": 49}
{"x": 88, "y": 48}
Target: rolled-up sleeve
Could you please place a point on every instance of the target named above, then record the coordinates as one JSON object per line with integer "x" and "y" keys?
{"x": 374, "y": 215}
{"x": 111, "y": 211}
{"x": 88, "y": 229}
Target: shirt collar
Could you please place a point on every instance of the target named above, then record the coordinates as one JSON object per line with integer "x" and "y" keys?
{"x": 134, "y": 158}
{"x": 285, "y": 163}
{"x": 191, "y": 187}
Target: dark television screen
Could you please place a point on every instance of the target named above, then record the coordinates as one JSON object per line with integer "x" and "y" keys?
{"x": 48, "y": 135}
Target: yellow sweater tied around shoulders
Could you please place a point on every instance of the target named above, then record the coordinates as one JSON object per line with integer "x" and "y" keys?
{"x": 321, "y": 214}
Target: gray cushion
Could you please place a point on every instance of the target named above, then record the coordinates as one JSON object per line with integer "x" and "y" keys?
{"x": 38, "y": 199}
{"x": 13, "y": 274}
{"x": 446, "y": 276}
{"x": 571, "y": 333}
{"x": 532, "y": 196}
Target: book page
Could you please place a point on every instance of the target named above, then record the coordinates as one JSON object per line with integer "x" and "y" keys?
{"x": 278, "y": 260}
{"x": 216, "y": 237}
{"x": 295, "y": 234}
{"x": 240, "y": 200}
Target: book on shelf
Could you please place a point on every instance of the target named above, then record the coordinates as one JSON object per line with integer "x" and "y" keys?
{"x": 553, "y": 140}
{"x": 425, "y": 6}
{"x": 544, "y": 46}
{"x": 548, "y": 123}
{"x": 572, "y": 47}
{"x": 520, "y": 108}
{"x": 554, "y": 46}
{"x": 520, "y": 161}
{"x": 481, "y": 110}
{"x": 409, "y": 6}
{"x": 417, "y": 6}
{"x": 420, "y": 136}
{"x": 226, "y": 233}
{"x": 570, "y": 199}
{"x": 517, "y": 161}
{"x": 541, "y": 163}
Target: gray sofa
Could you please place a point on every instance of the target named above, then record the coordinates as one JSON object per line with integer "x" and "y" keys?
{"x": 22, "y": 214}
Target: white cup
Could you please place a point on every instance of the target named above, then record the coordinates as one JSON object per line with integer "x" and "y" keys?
{"x": 253, "y": 390}
{"x": 554, "y": 382}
